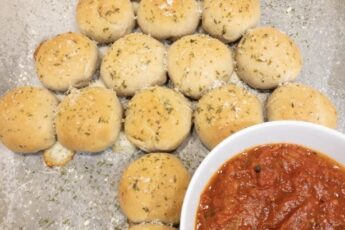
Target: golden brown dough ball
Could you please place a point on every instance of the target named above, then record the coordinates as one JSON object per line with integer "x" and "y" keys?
{"x": 229, "y": 20}
{"x": 300, "y": 102}
{"x": 151, "y": 227}
{"x": 89, "y": 120}
{"x": 105, "y": 20}
{"x": 158, "y": 119}
{"x": 57, "y": 155}
{"x": 134, "y": 62}
{"x": 153, "y": 188}
{"x": 197, "y": 62}
{"x": 224, "y": 111}
{"x": 26, "y": 119}
{"x": 168, "y": 18}
{"x": 67, "y": 60}
{"x": 267, "y": 57}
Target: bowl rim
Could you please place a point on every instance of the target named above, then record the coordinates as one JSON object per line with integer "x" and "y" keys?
{"x": 275, "y": 124}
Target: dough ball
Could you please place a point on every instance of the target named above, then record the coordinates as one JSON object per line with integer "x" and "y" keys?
{"x": 27, "y": 119}
{"x": 224, "y": 111}
{"x": 57, "y": 155}
{"x": 89, "y": 120}
{"x": 168, "y": 18}
{"x": 198, "y": 62}
{"x": 105, "y": 20}
{"x": 66, "y": 60}
{"x": 267, "y": 57}
{"x": 134, "y": 62}
{"x": 300, "y": 102}
{"x": 229, "y": 20}
{"x": 151, "y": 227}
{"x": 158, "y": 119}
{"x": 153, "y": 187}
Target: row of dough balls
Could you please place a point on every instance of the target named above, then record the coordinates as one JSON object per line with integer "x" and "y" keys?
{"x": 157, "y": 119}
{"x": 86, "y": 120}
{"x": 265, "y": 58}
{"x": 106, "y": 21}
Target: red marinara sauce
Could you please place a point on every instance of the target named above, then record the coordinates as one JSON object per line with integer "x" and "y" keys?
{"x": 277, "y": 186}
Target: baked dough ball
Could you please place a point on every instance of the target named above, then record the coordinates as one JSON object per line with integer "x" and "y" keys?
{"x": 134, "y": 62}
{"x": 153, "y": 187}
{"x": 26, "y": 119}
{"x": 151, "y": 227}
{"x": 197, "y": 62}
{"x": 168, "y": 18}
{"x": 224, "y": 111}
{"x": 89, "y": 120}
{"x": 105, "y": 20}
{"x": 57, "y": 155}
{"x": 66, "y": 60}
{"x": 228, "y": 20}
{"x": 158, "y": 119}
{"x": 300, "y": 102}
{"x": 267, "y": 57}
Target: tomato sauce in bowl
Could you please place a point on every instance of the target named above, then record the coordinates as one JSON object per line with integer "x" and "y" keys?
{"x": 276, "y": 186}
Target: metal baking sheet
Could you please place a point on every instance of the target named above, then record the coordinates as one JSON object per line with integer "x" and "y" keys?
{"x": 82, "y": 195}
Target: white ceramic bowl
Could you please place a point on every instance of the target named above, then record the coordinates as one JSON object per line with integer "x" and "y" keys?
{"x": 319, "y": 138}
